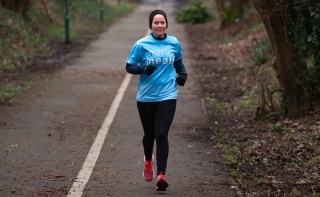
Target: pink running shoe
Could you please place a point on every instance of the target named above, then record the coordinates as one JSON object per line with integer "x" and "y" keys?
{"x": 148, "y": 172}
{"x": 162, "y": 184}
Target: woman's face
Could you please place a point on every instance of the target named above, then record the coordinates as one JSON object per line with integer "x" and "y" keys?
{"x": 159, "y": 26}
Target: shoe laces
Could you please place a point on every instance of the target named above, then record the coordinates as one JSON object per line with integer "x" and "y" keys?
{"x": 161, "y": 176}
{"x": 148, "y": 166}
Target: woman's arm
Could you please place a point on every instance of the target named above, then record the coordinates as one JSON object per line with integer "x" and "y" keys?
{"x": 179, "y": 66}
{"x": 135, "y": 70}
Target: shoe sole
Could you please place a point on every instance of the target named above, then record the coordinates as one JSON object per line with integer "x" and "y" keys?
{"x": 162, "y": 185}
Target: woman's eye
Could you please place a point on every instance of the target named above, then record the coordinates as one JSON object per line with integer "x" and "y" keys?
{"x": 157, "y": 23}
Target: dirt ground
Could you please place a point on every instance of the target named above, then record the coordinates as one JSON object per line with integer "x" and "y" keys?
{"x": 262, "y": 162}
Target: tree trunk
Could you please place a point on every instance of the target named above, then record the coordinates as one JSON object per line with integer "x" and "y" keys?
{"x": 298, "y": 98}
{"x": 220, "y": 7}
{"x": 239, "y": 5}
{"x": 46, "y": 10}
{"x": 18, "y": 6}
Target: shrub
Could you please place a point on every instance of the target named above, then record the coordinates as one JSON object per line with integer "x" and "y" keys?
{"x": 194, "y": 12}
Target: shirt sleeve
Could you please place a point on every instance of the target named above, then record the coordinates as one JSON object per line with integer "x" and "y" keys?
{"x": 178, "y": 55}
{"x": 136, "y": 70}
{"x": 134, "y": 56}
{"x": 179, "y": 66}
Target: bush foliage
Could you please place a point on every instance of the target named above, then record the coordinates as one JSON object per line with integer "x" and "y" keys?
{"x": 302, "y": 19}
{"x": 194, "y": 12}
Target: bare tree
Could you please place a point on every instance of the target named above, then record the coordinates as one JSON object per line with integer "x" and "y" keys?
{"x": 220, "y": 7}
{"x": 45, "y": 7}
{"x": 297, "y": 96}
{"x": 18, "y": 6}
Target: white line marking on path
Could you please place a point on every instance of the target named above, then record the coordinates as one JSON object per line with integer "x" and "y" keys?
{"x": 94, "y": 152}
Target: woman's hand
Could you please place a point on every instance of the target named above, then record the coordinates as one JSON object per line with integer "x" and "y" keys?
{"x": 181, "y": 79}
{"x": 149, "y": 69}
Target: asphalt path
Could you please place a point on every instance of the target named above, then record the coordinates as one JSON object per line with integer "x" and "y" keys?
{"x": 78, "y": 131}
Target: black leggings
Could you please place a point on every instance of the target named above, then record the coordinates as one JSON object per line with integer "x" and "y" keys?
{"x": 156, "y": 119}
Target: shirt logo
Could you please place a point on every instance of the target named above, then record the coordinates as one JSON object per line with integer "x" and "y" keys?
{"x": 157, "y": 57}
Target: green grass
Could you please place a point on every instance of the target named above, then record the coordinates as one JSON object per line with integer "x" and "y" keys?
{"x": 27, "y": 37}
{"x": 231, "y": 155}
{"x": 8, "y": 91}
{"x": 262, "y": 52}
{"x": 249, "y": 102}
{"x": 6, "y": 65}
{"x": 23, "y": 38}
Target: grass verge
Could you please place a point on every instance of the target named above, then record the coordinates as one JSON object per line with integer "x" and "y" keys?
{"x": 41, "y": 34}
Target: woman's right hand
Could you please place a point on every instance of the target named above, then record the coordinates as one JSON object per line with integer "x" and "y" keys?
{"x": 148, "y": 70}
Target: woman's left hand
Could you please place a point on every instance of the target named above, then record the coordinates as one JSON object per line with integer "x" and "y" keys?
{"x": 181, "y": 79}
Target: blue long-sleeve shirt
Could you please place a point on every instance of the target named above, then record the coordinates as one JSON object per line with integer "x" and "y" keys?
{"x": 166, "y": 55}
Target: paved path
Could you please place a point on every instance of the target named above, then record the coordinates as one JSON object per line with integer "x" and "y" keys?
{"x": 47, "y": 132}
